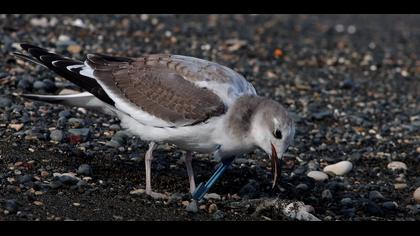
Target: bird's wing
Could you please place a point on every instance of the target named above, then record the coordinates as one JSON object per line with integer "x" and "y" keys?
{"x": 152, "y": 92}
{"x": 221, "y": 80}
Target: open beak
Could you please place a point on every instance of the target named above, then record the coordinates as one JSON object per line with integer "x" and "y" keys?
{"x": 275, "y": 165}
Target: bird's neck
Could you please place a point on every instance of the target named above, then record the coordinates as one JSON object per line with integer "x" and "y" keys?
{"x": 241, "y": 115}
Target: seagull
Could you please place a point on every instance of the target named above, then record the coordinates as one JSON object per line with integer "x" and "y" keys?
{"x": 197, "y": 105}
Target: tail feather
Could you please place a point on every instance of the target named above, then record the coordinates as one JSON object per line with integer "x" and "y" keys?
{"x": 84, "y": 99}
{"x": 65, "y": 67}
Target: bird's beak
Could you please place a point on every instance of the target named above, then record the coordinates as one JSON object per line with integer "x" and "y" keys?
{"x": 275, "y": 165}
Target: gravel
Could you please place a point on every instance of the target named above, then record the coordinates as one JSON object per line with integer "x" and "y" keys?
{"x": 84, "y": 169}
{"x": 350, "y": 82}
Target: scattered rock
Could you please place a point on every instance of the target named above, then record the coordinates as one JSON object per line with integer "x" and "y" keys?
{"x": 250, "y": 190}
{"x": 397, "y": 165}
{"x": 11, "y": 205}
{"x": 138, "y": 191}
{"x": 326, "y": 195}
{"x": 317, "y": 175}
{"x": 78, "y": 135}
{"x": 67, "y": 178}
{"x": 375, "y": 196}
{"x": 16, "y": 127}
{"x": 44, "y": 173}
{"x": 55, "y": 184}
{"x": 321, "y": 115}
{"x": 416, "y": 194}
{"x": 340, "y": 168}
{"x": 84, "y": 169}
{"x": 25, "y": 179}
{"x": 212, "y": 208}
{"x": 390, "y": 205}
{"x": 346, "y": 201}
{"x": 302, "y": 187}
{"x": 74, "y": 49}
{"x": 218, "y": 215}
{"x": 56, "y": 135}
{"x": 192, "y": 207}
{"x": 373, "y": 208}
{"x": 399, "y": 186}
{"x": 5, "y": 101}
{"x": 38, "y": 203}
{"x": 212, "y": 196}
{"x": 76, "y": 122}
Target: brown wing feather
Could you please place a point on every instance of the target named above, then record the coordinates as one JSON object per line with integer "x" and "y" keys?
{"x": 158, "y": 90}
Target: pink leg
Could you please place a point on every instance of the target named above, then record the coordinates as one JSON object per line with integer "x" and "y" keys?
{"x": 148, "y": 161}
{"x": 188, "y": 160}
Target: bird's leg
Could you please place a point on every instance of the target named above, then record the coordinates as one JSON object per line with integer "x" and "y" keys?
{"x": 188, "y": 160}
{"x": 148, "y": 162}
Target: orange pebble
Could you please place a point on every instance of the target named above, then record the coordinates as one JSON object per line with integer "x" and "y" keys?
{"x": 278, "y": 52}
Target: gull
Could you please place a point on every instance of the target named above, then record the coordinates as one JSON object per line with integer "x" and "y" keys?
{"x": 197, "y": 105}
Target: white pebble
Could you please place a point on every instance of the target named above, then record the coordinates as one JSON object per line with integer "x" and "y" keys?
{"x": 397, "y": 165}
{"x": 340, "y": 168}
{"x": 416, "y": 194}
{"x": 213, "y": 196}
{"x": 317, "y": 175}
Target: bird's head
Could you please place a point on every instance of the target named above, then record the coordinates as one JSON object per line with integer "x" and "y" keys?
{"x": 273, "y": 131}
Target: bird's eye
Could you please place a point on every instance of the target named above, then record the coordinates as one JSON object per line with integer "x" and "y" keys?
{"x": 277, "y": 134}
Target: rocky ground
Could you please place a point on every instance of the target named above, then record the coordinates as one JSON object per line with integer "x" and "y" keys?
{"x": 351, "y": 83}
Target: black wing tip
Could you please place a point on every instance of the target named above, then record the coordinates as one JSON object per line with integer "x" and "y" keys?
{"x": 27, "y": 46}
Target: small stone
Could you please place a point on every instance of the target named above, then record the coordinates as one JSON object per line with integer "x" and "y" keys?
{"x": 11, "y": 205}
{"x": 346, "y": 201}
{"x": 39, "y": 85}
{"x": 416, "y": 194}
{"x": 137, "y": 192}
{"x": 321, "y": 115}
{"x": 56, "y": 135}
{"x": 25, "y": 179}
{"x": 68, "y": 179}
{"x": 44, "y": 173}
{"x": 5, "y": 101}
{"x": 218, "y": 215}
{"x": 55, "y": 184}
{"x": 326, "y": 194}
{"x": 84, "y": 169}
{"x": 317, "y": 175}
{"x": 65, "y": 114}
{"x": 78, "y": 135}
{"x": 397, "y": 165}
{"x": 212, "y": 208}
{"x": 302, "y": 187}
{"x": 74, "y": 48}
{"x": 37, "y": 193}
{"x": 175, "y": 197}
{"x": 38, "y": 203}
{"x": 390, "y": 205}
{"x": 373, "y": 208}
{"x": 24, "y": 84}
{"x": 39, "y": 22}
{"x": 212, "y": 196}
{"x": 375, "y": 195}
{"x": 399, "y": 186}
{"x": 16, "y": 127}
{"x": 250, "y": 190}
{"x": 76, "y": 204}
{"x": 192, "y": 207}
{"x": 340, "y": 168}
{"x": 76, "y": 123}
